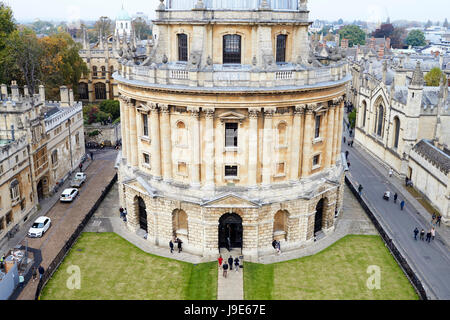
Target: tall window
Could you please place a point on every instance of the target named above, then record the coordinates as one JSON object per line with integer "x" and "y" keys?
{"x": 83, "y": 93}
{"x": 380, "y": 119}
{"x": 103, "y": 71}
{"x": 94, "y": 71}
{"x": 182, "y": 47}
{"x": 396, "y": 131}
{"x": 317, "y": 128}
{"x": 231, "y": 134}
{"x": 100, "y": 91}
{"x": 364, "y": 114}
{"x": 232, "y": 48}
{"x": 145, "y": 124}
{"x": 14, "y": 190}
{"x": 281, "y": 48}
{"x": 55, "y": 157}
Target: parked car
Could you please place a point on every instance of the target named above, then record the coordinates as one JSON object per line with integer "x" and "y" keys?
{"x": 69, "y": 195}
{"x": 39, "y": 227}
{"x": 78, "y": 180}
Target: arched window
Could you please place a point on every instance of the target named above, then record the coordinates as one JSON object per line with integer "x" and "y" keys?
{"x": 103, "y": 71}
{"x": 282, "y": 134}
{"x": 94, "y": 71}
{"x": 280, "y": 225}
{"x": 363, "y": 114}
{"x": 14, "y": 190}
{"x": 181, "y": 134}
{"x": 83, "y": 93}
{"x": 180, "y": 224}
{"x": 281, "y": 48}
{"x": 232, "y": 48}
{"x": 396, "y": 131}
{"x": 100, "y": 91}
{"x": 182, "y": 47}
{"x": 380, "y": 120}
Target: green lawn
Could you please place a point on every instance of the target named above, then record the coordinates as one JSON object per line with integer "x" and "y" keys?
{"x": 337, "y": 273}
{"x": 113, "y": 268}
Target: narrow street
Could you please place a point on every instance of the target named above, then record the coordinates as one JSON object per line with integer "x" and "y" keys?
{"x": 430, "y": 261}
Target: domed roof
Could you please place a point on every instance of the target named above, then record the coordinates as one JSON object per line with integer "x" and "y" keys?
{"x": 123, "y": 15}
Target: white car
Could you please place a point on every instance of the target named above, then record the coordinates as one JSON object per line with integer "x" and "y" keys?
{"x": 39, "y": 227}
{"x": 69, "y": 195}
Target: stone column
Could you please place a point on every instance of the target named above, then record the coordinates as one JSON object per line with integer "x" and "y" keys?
{"x": 330, "y": 136}
{"x": 166, "y": 142}
{"x": 340, "y": 111}
{"x": 123, "y": 127}
{"x": 126, "y": 106}
{"x": 195, "y": 150}
{"x": 155, "y": 142}
{"x": 296, "y": 135}
{"x": 209, "y": 148}
{"x": 307, "y": 141}
{"x": 253, "y": 147}
{"x": 335, "y": 132}
{"x": 267, "y": 145}
{"x": 133, "y": 136}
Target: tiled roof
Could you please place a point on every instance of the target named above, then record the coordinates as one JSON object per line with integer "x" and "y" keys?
{"x": 439, "y": 158}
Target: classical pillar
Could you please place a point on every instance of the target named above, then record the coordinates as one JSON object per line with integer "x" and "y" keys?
{"x": 195, "y": 150}
{"x": 340, "y": 111}
{"x": 253, "y": 147}
{"x": 123, "y": 127}
{"x": 155, "y": 142}
{"x": 335, "y": 132}
{"x": 267, "y": 146}
{"x": 166, "y": 142}
{"x": 307, "y": 141}
{"x": 330, "y": 136}
{"x": 209, "y": 148}
{"x": 133, "y": 136}
{"x": 296, "y": 135}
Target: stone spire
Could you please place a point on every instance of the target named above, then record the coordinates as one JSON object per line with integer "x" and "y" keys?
{"x": 417, "y": 78}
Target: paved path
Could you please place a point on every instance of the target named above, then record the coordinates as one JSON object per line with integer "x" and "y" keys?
{"x": 430, "y": 261}
{"x": 231, "y": 287}
{"x": 66, "y": 217}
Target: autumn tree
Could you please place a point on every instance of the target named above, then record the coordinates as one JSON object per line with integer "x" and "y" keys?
{"x": 433, "y": 77}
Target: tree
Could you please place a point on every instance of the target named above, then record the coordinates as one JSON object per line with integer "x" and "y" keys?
{"x": 105, "y": 26}
{"x": 384, "y": 31}
{"x": 354, "y": 34}
{"x": 352, "y": 118}
{"x": 7, "y": 26}
{"x": 142, "y": 28}
{"x": 433, "y": 77}
{"x": 398, "y": 38}
{"x": 111, "y": 107}
{"x": 415, "y": 38}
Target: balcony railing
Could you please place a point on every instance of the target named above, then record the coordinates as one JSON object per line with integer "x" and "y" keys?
{"x": 232, "y": 4}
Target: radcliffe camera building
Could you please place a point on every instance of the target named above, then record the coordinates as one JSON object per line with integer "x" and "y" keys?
{"x": 232, "y": 128}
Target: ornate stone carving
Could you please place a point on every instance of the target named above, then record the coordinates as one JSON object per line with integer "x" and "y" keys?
{"x": 209, "y": 112}
{"x": 254, "y": 113}
{"x": 153, "y": 107}
{"x": 164, "y": 108}
{"x": 269, "y": 112}
{"x": 300, "y": 109}
{"x": 310, "y": 108}
{"x": 195, "y": 111}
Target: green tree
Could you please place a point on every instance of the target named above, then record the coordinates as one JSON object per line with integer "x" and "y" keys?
{"x": 354, "y": 34}
{"x": 352, "y": 118}
{"x": 433, "y": 77}
{"x": 415, "y": 38}
{"x": 7, "y": 26}
{"x": 111, "y": 107}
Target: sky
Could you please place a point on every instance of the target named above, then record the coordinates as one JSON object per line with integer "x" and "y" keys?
{"x": 349, "y": 10}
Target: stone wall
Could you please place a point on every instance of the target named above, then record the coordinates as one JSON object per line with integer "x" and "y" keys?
{"x": 111, "y": 133}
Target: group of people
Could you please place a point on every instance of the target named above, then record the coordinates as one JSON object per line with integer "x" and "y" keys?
{"x": 387, "y": 197}
{"x": 228, "y": 264}
{"x": 277, "y": 246}
{"x": 178, "y": 242}
{"x": 430, "y": 234}
{"x": 123, "y": 214}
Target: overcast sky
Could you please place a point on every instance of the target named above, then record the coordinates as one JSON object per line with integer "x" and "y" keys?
{"x": 369, "y": 10}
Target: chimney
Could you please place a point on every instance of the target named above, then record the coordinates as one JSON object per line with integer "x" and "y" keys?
{"x": 71, "y": 101}
{"x": 64, "y": 96}
{"x": 4, "y": 92}
{"x": 26, "y": 92}
{"x": 42, "y": 93}
{"x": 441, "y": 61}
{"x": 388, "y": 43}
{"x": 14, "y": 91}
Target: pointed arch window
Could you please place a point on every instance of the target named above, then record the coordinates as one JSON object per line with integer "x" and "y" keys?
{"x": 396, "y": 132}
{"x": 380, "y": 120}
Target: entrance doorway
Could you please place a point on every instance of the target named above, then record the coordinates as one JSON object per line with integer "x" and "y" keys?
{"x": 142, "y": 214}
{"x": 41, "y": 188}
{"x": 230, "y": 231}
{"x": 318, "y": 220}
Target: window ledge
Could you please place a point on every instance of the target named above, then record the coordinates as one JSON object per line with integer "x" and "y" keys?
{"x": 282, "y": 147}
{"x": 316, "y": 167}
{"x": 231, "y": 149}
{"x": 280, "y": 175}
{"x": 317, "y": 140}
{"x": 145, "y": 138}
{"x": 145, "y": 165}
{"x": 279, "y": 233}
{"x": 231, "y": 178}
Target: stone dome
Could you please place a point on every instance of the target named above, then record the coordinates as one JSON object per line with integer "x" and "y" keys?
{"x": 123, "y": 15}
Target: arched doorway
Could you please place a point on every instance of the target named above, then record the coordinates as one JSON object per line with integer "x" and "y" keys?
{"x": 230, "y": 231}
{"x": 318, "y": 219}
{"x": 142, "y": 214}
{"x": 42, "y": 188}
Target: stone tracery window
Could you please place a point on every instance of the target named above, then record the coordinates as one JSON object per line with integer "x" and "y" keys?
{"x": 396, "y": 132}
{"x": 14, "y": 190}
{"x": 379, "y": 121}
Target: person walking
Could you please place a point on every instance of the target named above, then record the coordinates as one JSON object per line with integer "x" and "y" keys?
{"x": 92, "y": 155}
{"x": 2, "y": 259}
{"x": 416, "y": 231}
{"x": 21, "y": 280}
{"x": 351, "y": 144}
{"x": 346, "y": 154}
{"x": 225, "y": 269}
{"x": 438, "y": 220}
{"x": 422, "y": 234}
{"x": 220, "y": 260}
{"x": 360, "y": 189}
{"x": 278, "y": 247}
{"x": 433, "y": 233}
{"x": 171, "y": 246}
{"x": 121, "y": 213}
{"x": 230, "y": 262}
{"x": 236, "y": 264}
{"x": 180, "y": 245}
{"x": 274, "y": 244}
{"x": 81, "y": 167}
{"x": 41, "y": 272}
{"x": 390, "y": 172}
{"x": 428, "y": 236}
{"x": 125, "y": 215}
{"x": 395, "y": 197}
{"x": 402, "y": 205}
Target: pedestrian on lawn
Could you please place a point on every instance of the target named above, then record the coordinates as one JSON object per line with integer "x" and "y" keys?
{"x": 230, "y": 262}
{"x": 416, "y": 231}
{"x": 225, "y": 269}
{"x": 422, "y": 234}
{"x": 220, "y": 260}
{"x": 171, "y": 246}
{"x": 428, "y": 236}
{"x": 41, "y": 272}
{"x": 180, "y": 244}
{"x": 395, "y": 197}
{"x": 360, "y": 189}
{"x": 236, "y": 264}
{"x": 402, "y": 204}
{"x": 433, "y": 233}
